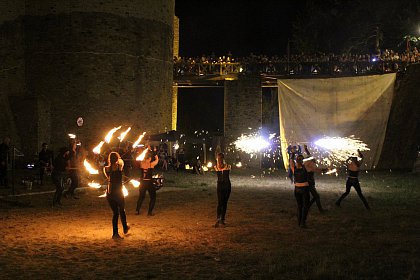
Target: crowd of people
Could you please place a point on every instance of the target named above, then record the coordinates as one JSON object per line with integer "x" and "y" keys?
{"x": 297, "y": 64}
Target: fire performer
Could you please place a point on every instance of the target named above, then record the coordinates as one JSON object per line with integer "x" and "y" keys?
{"x": 114, "y": 193}
{"x": 45, "y": 158}
{"x": 73, "y": 171}
{"x": 311, "y": 168}
{"x": 146, "y": 183}
{"x": 223, "y": 188}
{"x": 61, "y": 164}
{"x": 353, "y": 168}
{"x": 300, "y": 175}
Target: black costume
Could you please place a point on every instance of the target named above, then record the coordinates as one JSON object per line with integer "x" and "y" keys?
{"x": 301, "y": 194}
{"x": 73, "y": 174}
{"x": 353, "y": 181}
{"x": 146, "y": 184}
{"x": 223, "y": 192}
{"x": 314, "y": 193}
{"x": 45, "y": 157}
{"x": 58, "y": 176}
{"x": 115, "y": 197}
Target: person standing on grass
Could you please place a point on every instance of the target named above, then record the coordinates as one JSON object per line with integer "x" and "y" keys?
{"x": 353, "y": 168}
{"x": 311, "y": 168}
{"x": 114, "y": 193}
{"x": 146, "y": 183}
{"x": 300, "y": 175}
{"x": 223, "y": 188}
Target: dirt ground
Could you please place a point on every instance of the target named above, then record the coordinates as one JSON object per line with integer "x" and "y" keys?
{"x": 261, "y": 239}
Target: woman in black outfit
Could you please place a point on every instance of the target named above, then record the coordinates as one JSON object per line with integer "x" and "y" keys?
{"x": 59, "y": 173}
{"x": 301, "y": 188}
{"x": 223, "y": 188}
{"x": 114, "y": 194}
{"x": 146, "y": 183}
{"x": 353, "y": 168}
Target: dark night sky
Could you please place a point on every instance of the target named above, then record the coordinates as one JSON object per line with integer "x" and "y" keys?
{"x": 242, "y": 27}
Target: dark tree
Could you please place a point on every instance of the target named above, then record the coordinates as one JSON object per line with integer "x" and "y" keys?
{"x": 355, "y": 26}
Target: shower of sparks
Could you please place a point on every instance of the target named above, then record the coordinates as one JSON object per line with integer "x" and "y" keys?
{"x": 333, "y": 151}
{"x": 252, "y": 143}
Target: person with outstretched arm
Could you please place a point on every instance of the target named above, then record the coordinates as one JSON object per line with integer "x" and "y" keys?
{"x": 353, "y": 167}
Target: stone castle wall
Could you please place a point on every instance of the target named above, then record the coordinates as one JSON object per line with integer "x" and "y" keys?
{"x": 109, "y": 62}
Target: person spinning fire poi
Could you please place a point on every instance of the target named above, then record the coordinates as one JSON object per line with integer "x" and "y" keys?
{"x": 353, "y": 168}
{"x": 311, "y": 168}
{"x": 223, "y": 188}
{"x": 114, "y": 193}
{"x": 146, "y": 184}
{"x": 300, "y": 175}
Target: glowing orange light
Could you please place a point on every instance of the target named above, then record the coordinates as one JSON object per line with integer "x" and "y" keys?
{"x": 97, "y": 149}
{"x": 139, "y": 140}
{"x": 123, "y": 134}
{"x": 89, "y": 168}
{"x": 108, "y": 137}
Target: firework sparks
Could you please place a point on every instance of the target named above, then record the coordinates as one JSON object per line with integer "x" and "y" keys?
{"x": 251, "y": 144}
{"x": 339, "y": 149}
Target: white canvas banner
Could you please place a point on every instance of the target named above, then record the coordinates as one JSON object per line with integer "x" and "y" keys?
{"x": 311, "y": 109}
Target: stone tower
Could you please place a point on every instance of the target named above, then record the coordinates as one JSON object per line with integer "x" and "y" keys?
{"x": 107, "y": 61}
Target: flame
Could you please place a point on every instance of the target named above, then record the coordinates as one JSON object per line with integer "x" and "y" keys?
{"x": 209, "y": 164}
{"x": 239, "y": 164}
{"x": 125, "y": 191}
{"x": 176, "y": 146}
{"x": 135, "y": 183}
{"x": 138, "y": 140}
{"x": 94, "y": 185}
{"x": 331, "y": 171}
{"x": 123, "y": 134}
{"x": 188, "y": 167}
{"x": 97, "y": 149}
{"x": 205, "y": 168}
{"x": 108, "y": 137}
{"x": 142, "y": 155}
{"x": 89, "y": 168}
{"x": 103, "y": 195}
{"x": 308, "y": 159}
{"x": 72, "y": 136}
